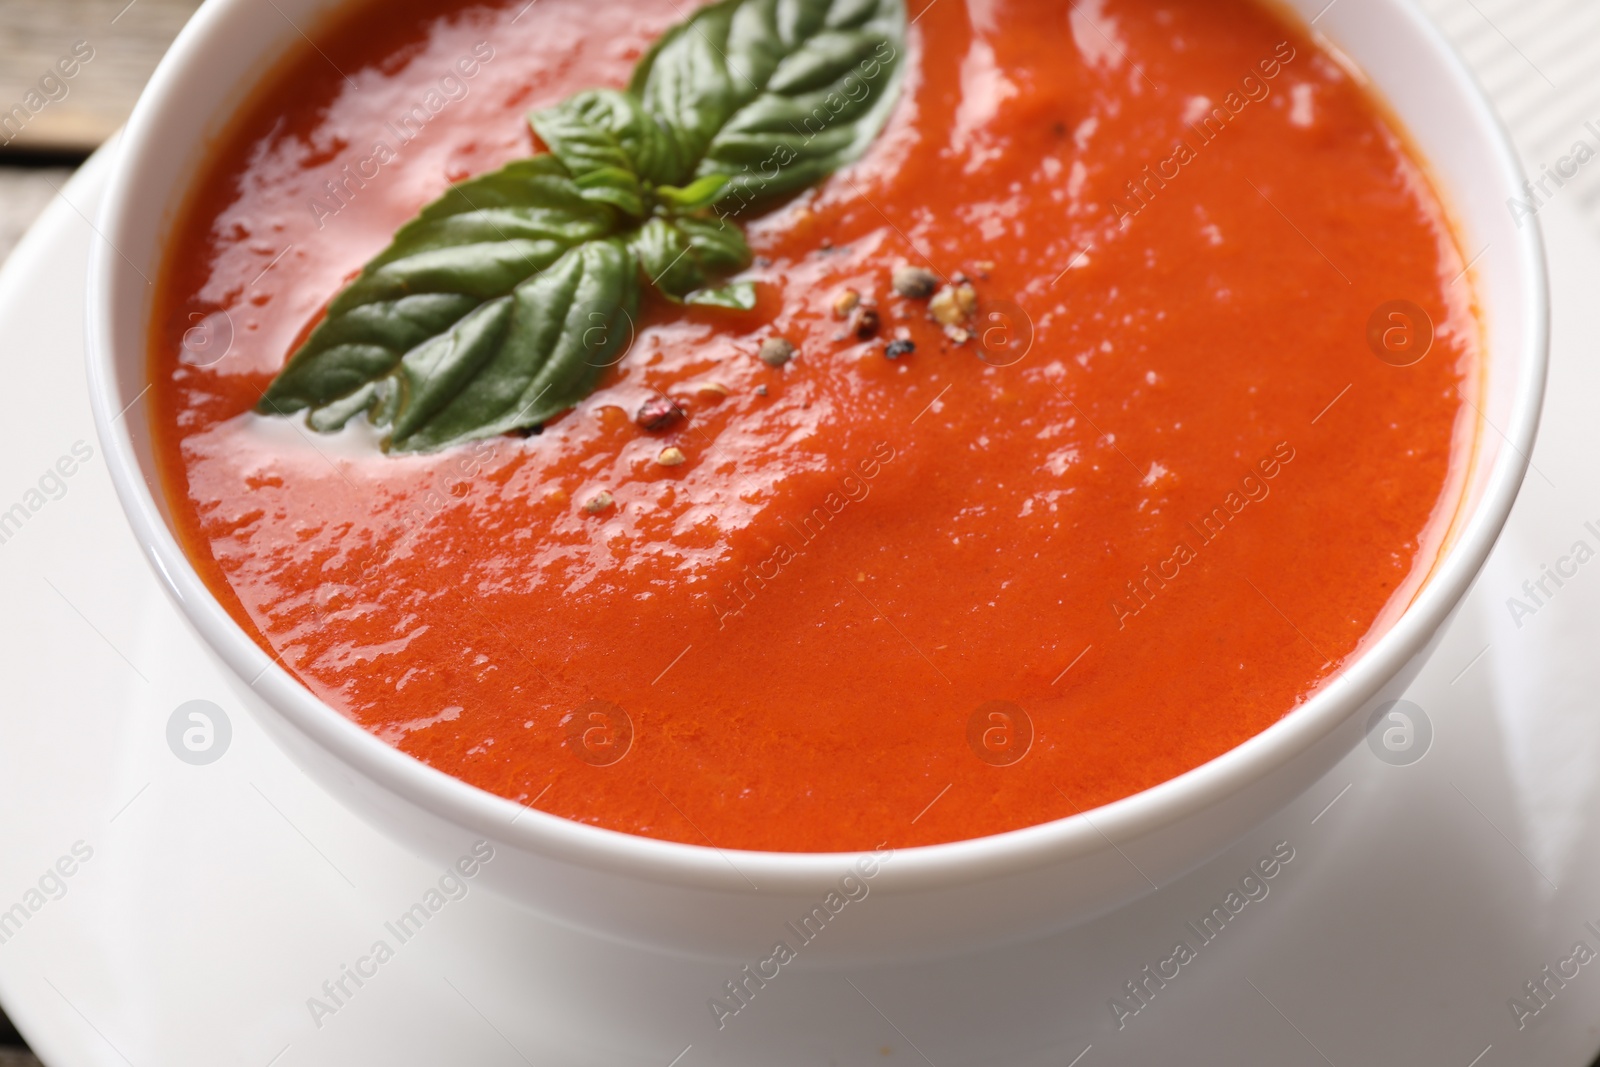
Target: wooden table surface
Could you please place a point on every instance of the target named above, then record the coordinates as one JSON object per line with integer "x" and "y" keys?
{"x": 118, "y": 43}
{"x": 12, "y": 1052}
{"x": 50, "y": 122}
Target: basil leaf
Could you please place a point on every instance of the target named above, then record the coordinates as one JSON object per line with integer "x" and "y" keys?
{"x": 739, "y": 296}
{"x": 717, "y": 243}
{"x": 479, "y": 241}
{"x": 775, "y": 93}
{"x": 614, "y": 148}
{"x": 680, "y": 255}
{"x": 349, "y": 350}
{"x": 517, "y": 360}
{"x": 531, "y": 200}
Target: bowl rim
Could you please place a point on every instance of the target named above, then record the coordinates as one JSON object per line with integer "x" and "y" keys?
{"x": 707, "y": 866}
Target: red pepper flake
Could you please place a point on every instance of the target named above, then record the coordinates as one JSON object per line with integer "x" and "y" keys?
{"x": 659, "y": 413}
{"x": 867, "y": 324}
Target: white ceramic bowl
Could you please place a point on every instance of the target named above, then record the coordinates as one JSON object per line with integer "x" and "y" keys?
{"x": 945, "y": 898}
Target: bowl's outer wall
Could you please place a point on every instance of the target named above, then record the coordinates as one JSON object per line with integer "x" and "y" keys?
{"x": 930, "y": 901}
{"x": 903, "y": 926}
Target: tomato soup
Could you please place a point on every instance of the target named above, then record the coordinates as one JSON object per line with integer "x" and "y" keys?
{"x": 1152, "y": 494}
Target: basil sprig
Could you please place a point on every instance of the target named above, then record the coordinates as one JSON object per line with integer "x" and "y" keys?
{"x": 501, "y": 304}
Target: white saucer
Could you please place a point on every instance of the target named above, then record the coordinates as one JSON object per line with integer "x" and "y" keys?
{"x": 219, "y": 898}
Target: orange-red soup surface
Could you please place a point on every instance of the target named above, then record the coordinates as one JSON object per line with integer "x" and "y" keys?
{"x": 904, "y": 601}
